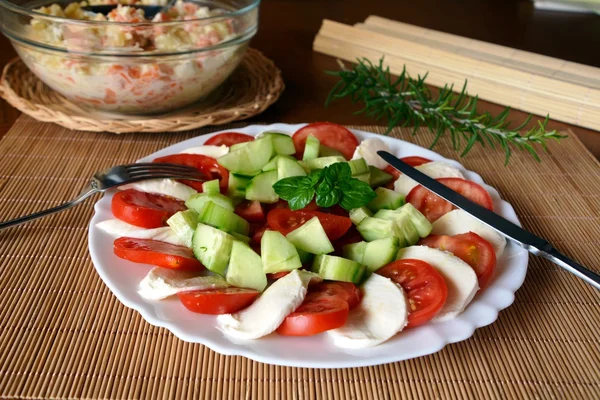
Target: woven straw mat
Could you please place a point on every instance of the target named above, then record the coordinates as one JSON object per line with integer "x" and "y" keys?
{"x": 64, "y": 335}
{"x": 254, "y": 86}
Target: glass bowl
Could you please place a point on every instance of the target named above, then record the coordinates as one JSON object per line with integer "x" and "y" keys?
{"x": 128, "y": 65}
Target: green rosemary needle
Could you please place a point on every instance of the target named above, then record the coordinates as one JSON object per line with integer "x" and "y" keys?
{"x": 409, "y": 101}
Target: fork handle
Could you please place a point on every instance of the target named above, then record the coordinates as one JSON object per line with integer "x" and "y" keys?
{"x": 87, "y": 192}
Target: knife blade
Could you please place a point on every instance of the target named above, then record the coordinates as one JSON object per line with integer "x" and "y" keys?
{"x": 532, "y": 243}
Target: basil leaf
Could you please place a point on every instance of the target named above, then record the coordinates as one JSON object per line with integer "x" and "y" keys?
{"x": 359, "y": 194}
{"x": 338, "y": 172}
{"x": 328, "y": 198}
{"x": 315, "y": 177}
{"x": 288, "y": 188}
{"x": 301, "y": 199}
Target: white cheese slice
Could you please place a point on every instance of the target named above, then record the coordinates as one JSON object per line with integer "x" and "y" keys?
{"x": 434, "y": 169}
{"x": 368, "y": 149}
{"x": 382, "y": 313}
{"x": 268, "y": 311}
{"x": 167, "y": 187}
{"x": 459, "y": 276}
{"x": 161, "y": 283}
{"x": 117, "y": 228}
{"x": 459, "y": 221}
{"x": 208, "y": 150}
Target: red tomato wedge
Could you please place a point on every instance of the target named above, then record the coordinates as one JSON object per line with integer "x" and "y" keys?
{"x": 425, "y": 288}
{"x": 329, "y": 134}
{"x": 285, "y": 221}
{"x": 229, "y": 139}
{"x": 146, "y": 210}
{"x": 413, "y": 161}
{"x": 256, "y": 233}
{"x": 218, "y": 301}
{"x": 433, "y": 206}
{"x": 155, "y": 252}
{"x": 472, "y": 249}
{"x": 325, "y": 307}
{"x": 208, "y": 166}
{"x": 277, "y": 275}
{"x": 251, "y": 211}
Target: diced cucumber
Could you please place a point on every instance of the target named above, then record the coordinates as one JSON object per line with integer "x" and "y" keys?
{"x": 305, "y": 256}
{"x": 372, "y": 228}
{"x": 237, "y": 185}
{"x": 212, "y": 247}
{"x": 184, "y": 224}
{"x": 358, "y": 214}
{"x": 380, "y": 252}
{"x": 261, "y": 189}
{"x": 211, "y": 187}
{"x": 338, "y": 269}
{"x": 366, "y": 178}
{"x": 271, "y": 165}
{"x": 311, "y": 237}
{"x": 197, "y": 201}
{"x": 322, "y": 162}
{"x": 249, "y": 158}
{"x": 311, "y": 149}
{"x": 288, "y": 167}
{"x": 379, "y": 177}
{"x": 405, "y": 227}
{"x": 326, "y": 151}
{"x": 386, "y": 199}
{"x": 237, "y": 146}
{"x": 358, "y": 166}
{"x": 221, "y": 218}
{"x": 282, "y": 143}
{"x": 240, "y": 237}
{"x": 245, "y": 268}
{"x": 355, "y": 251}
{"x": 277, "y": 253}
{"x": 421, "y": 223}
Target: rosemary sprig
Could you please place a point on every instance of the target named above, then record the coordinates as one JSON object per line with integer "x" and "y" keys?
{"x": 409, "y": 101}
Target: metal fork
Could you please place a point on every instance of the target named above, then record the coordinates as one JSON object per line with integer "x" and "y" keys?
{"x": 113, "y": 177}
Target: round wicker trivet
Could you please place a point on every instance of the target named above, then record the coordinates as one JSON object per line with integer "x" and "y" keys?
{"x": 254, "y": 86}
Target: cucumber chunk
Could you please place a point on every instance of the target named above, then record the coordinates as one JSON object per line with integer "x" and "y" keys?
{"x": 261, "y": 189}
{"x": 372, "y": 228}
{"x": 338, "y": 269}
{"x": 311, "y": 149}
{"x": 386, "y": 199}
{"x": 271, "y": 165}
{"x": 221, "y": 218}
{"x": 196, "y": 202}
{"x": 366, "y": 178}
{"x": 245, "y": 268}
{"x": 249, "y": 158}
{"x": 288, "y": 167}
{"x": 277, "y": 253}
{"x": 326, "y": 151}
{"x": 237, "y": 185}
{"x": 358, "y": 214}
{"x": 405, "y": 228}
{"x": 380, "y": 252}
{"x": 358, "y": 166}
{"x": 282, "y": 143}
{"x": 211, "y": 187}
{"x": 379, "y": 177}
{"x": 355, "y": 251}
{"x": 322, "y": 162}
{"x": 184, "y": 224}
{"x": 305, "y": 256}
{"x": 311, "y": 237}
{"x": 422, "y": 225}
{"x": 212, "y": 247}
{"x": 240, "y": 237}
{"x": 237, "y": 146}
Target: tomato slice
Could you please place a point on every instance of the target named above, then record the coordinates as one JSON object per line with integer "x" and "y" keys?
{"x": 251, "y": 211}
{"x": 433, "y": 206}
{"x": 208, "y": 166}
{"x": 229, "y": 139}
{"x": 285, "y": 221}
{"x": 325, "y": 307}
{"x": 155, "y": 252}
{"x": 329, "y": 134}
{"x": 146, "y": 210}
{"x": 472, "y": 249}
{"x": 425, "y": 288}
{"x": 256, "y": 233}
{"x": 218, "y": 301}
{"x": 413, "y": 161}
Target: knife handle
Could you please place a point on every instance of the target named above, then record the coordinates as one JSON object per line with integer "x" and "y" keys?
{"x": 573, "y": 267}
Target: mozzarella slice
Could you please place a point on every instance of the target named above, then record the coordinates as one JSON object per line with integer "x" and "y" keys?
{"x": 167, "y": 187}
{"x": 434, "y": 169}
{"x": 269, "y": 310}
{"x": 381, "y": 314}
{"x": 458, "y": 221}
{"x": 208, "y": 150}
{"x": 368, "y": 149}
{"x": 161, "y": 283}
{"x": 459, "y": 276}
{"x": 117, "y": 228}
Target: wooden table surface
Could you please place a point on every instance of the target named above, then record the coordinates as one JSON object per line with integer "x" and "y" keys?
{"x": 288, "y": 27}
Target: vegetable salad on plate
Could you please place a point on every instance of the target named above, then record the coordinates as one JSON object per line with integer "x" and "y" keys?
{"x": 306, "y": 234}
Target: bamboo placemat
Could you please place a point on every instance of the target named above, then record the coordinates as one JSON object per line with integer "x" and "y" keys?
{"x": 64, "y": 335}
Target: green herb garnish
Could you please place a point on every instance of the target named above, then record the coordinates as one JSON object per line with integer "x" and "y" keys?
{"x": 332, "y": 185}
{"x": 409, "y": 101}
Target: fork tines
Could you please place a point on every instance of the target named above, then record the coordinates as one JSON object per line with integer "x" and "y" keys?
{"x": 161, "y": 170}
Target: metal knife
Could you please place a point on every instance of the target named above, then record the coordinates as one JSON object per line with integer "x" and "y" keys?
{"x": 532, "y": 243}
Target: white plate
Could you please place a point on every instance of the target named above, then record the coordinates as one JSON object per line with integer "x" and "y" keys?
{"x": 122, "y": 277}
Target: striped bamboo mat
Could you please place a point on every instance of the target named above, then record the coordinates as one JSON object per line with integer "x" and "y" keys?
{"x": 64, "y": 335}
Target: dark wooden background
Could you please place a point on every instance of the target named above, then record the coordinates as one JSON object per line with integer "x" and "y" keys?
{"x": 288, "y": 27}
